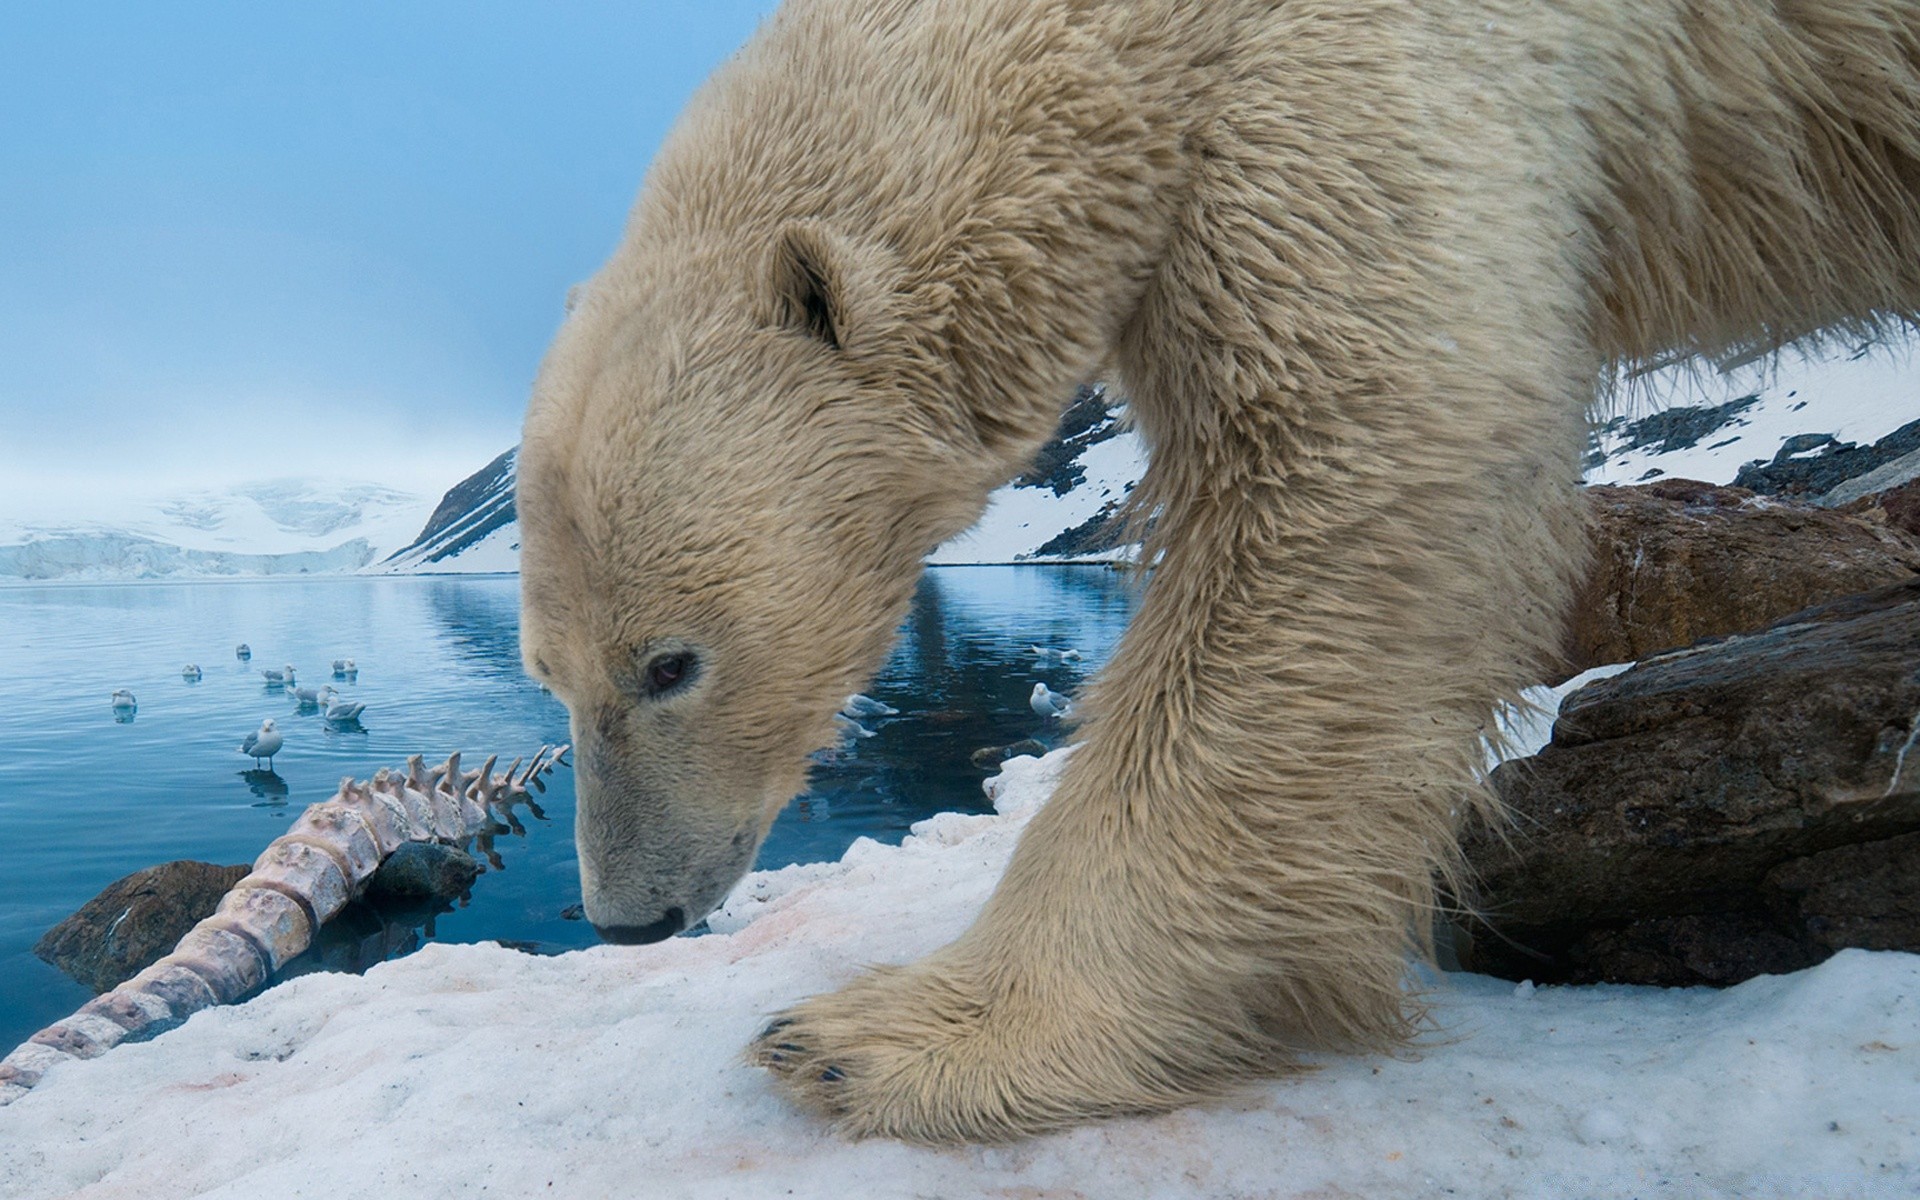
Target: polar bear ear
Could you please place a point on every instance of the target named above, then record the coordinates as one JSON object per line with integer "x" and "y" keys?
{"x": 810, "y": 285}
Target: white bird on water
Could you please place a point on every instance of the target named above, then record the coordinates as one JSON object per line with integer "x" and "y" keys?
{"x": 243, "y": 652}
{"x": 338, "y": 710}
{"x": 190, "y": 673}
{"x": 343, "y": 668}
{"x": 264, "y": 742}
{"x": 123, "y": 701}
{"x": 857, "y": 706}
{"x": 282, "y": 677}
{"x": 850, "y": 729}
{"x": 1047, "y": 703}
{"x": 308, "y": 697}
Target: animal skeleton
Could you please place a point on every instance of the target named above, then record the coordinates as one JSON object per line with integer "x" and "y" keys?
{"x": 303, "y": 878}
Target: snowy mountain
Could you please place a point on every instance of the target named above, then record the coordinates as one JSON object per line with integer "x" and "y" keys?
{"x": 1828, "y": 413}
{"x": 1805, "y": 426}
{"x": 473, "y": 530}
{"x": 1063, "y": 508}
{"x": 278, "y": 527}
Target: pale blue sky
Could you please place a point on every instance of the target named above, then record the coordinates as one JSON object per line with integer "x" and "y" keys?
{"x": 247, "y": 240}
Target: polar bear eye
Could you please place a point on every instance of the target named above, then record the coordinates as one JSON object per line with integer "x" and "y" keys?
{"x": 667, "y": 672}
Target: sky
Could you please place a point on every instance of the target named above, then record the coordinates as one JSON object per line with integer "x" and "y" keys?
{"x": 250, "y": 241}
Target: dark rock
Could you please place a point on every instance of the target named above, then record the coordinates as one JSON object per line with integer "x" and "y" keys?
{"x": 136, "y": 921}
{"x": 1813, "y": 464}
{"x": 1679, "y": 428}
{"x": 988, "y": 758}
{"x": 471, "y": 509}
{"x": 1680, "y": 560}
{"x": 1088, "y": 420}
{"x": 1740, "y": 806}
{"x": 362, "y": 935}
{"x": 1109, "y": 528}
{"x": 424, "y": 869}
{"x": 1865, "y": 895}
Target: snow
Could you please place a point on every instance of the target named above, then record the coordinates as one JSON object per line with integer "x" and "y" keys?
{"x": 617, "y": 1071}
{"x": 1857, "y": 397}
{"x": 1526, "y": 729}
{"x": 496, "y": 553}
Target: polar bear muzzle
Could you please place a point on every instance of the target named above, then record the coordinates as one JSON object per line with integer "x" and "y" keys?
{"x": 652, "y": 862}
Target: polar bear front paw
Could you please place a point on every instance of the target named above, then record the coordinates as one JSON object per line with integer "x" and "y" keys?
{"x": 915, "y": 1053}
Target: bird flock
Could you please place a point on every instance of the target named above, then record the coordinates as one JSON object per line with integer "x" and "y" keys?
{"x": 339, "y": 712}
{"x": 261, "y": 745}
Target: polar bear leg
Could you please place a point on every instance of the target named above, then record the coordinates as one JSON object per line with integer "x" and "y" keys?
{"x": 1365, "y": 423}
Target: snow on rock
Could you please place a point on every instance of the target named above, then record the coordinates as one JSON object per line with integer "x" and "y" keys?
{"x": 1682, "y": 423}
{"x": 617, "y": 1071}
{"x": 279, "y": 527}
{"x": 1021, "y": 519}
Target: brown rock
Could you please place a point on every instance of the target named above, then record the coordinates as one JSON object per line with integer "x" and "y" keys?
{"x": 135, "y": 921}
{"x": 1740, "y": 806}
{"x": 1678, "y": 560}
{"x": 1902, "y": 507}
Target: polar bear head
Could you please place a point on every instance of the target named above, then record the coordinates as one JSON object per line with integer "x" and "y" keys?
{"x": 735, "y": 459}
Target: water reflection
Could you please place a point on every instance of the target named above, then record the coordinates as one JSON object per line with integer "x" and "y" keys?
{"x": 482, "y": 626}
{"x": 267, "y": 785}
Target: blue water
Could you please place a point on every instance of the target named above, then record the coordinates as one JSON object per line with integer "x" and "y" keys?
{"x": 87, "y": 796}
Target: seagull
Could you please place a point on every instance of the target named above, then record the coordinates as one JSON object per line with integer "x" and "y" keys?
{"x": 243, "y": 652}
{"x": 308, "y": 697}
{"x": 123, "y": 701}
{"x": 343, "y": 668}
{"x": 857, "y": 706}
{"x": 338, "y": 710}
{"x": 190, "y": 673}
{"x": 1069, "y": 656}
{"x": 264, "y": 742}
{"x": 277, "y": 678}
{"x": 1048, "y": 704}
{"x": 851, "y": 729}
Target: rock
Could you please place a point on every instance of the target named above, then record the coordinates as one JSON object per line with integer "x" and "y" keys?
{"x": 136, "y": 920}
{"x": 989, "y": 758}
{"x": 1897, "y": 507}
{"x": 1820, "y": 464}
{"x": 1883, "y": 478}
{"x": 1679, "y": 560}
{"x": 1744, "y": 805}
{"x": 420, "y": 869}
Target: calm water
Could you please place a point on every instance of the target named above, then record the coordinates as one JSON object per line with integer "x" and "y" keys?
{"x": 87, "y": 796}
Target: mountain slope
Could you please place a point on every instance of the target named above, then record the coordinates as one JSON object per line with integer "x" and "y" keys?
{"x": 473, "y": 529}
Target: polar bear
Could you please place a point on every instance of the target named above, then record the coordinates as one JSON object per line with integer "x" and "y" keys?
{"x": 1360, "y": 266}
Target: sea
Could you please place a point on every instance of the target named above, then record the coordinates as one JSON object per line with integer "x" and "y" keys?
{"x": 90, "y": 793}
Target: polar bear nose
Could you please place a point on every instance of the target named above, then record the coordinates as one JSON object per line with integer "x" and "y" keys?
{"x": 640, "y": 935}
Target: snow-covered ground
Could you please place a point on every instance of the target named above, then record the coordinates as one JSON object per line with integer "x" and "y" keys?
{"x": 275, "y": 527}
{"x": 617, "y": 1072}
